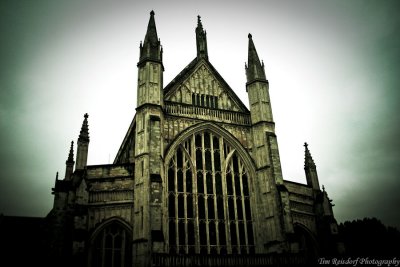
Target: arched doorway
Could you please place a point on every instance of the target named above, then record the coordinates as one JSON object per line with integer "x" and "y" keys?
{"x": 307, "y": 245}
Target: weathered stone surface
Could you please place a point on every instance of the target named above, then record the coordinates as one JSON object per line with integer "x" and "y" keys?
{"x": 197, "y": 173}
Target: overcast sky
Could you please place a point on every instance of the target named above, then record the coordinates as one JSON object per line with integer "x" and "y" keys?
{"x": 333, "y": 69}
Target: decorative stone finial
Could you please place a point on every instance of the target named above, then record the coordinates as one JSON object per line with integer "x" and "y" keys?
{"x": 152, "y": 13}
{"x": 250, "y": 36}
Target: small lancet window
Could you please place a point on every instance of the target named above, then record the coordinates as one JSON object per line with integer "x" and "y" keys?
{"x": 203, "y": 100}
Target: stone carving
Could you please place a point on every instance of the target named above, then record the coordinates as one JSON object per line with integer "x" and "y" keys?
{"x": 203, "y": 83}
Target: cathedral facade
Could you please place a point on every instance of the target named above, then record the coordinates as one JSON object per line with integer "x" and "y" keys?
{"x": 197, "y": 176}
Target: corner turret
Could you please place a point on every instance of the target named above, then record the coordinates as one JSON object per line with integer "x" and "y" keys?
{"x": 150, "y": 68}
{"x": 148, "y": 156}
{"x": 258, "y": 89}
{"x": 266, "y": 156}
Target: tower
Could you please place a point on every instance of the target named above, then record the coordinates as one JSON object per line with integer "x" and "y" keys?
{"x": 266, "y": 156}
{"x": 149, "y": 150}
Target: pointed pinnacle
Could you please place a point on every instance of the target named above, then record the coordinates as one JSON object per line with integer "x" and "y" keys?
{"x": 308, "y": 160}
{"x": 151, "y": 33}
{"x": 151, "y": 44}
{"x": 201, "y": 40}
{"x": 84, "y": 134}
{"x": 71, "y": 153}
{"x": 255, "y": 70}
{"x": 199, "y": 24}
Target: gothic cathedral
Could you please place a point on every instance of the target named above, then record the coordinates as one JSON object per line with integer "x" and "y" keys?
{"x": 197, "y": 179}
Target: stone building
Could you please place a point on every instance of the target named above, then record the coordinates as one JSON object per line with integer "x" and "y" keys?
{"x": 198, "y": 173}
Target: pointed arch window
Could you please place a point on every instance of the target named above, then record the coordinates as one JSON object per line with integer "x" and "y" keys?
{"x": 112, "y": 247}
{"x": 208, "y": 198}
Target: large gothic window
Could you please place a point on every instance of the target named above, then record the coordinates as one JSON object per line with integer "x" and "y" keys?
{"x": 208, "y": 198}
{"x": 111, "y": 247}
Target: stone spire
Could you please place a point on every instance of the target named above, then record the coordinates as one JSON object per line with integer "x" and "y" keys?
{"x": 151, "y": 48}
{"x": 310, "y": 169}
{"x": 254, "y": 68}
{"x": 71, "y": 153}
{"x": 83, "y": 145}
{"x": 84, "y": 134}
{"x": 308, "y": 160}
{"x": 69, "y": 164}
{"x": 201, "y": 40}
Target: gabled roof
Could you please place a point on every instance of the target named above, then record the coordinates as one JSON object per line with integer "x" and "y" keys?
{"x": 190, "y": 68}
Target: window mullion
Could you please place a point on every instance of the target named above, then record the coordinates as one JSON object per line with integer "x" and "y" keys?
{"x": 214, "y": 192}
{"x": 103, "y": 250}
{"x": 176, "y": 201}
{"x": 195, "y": 195}
{"x": 233, "y": 174}
{"x": 241, "y": 170}
{"x": 184, "y": 166}
{"x": 225, "y": 195}
{"x": 123, "y": 249}
{"x": 205, "y": 190}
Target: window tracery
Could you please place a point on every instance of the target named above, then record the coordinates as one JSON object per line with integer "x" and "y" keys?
{"x": 112, "y": 246}
{"x": 208, "y": 198}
